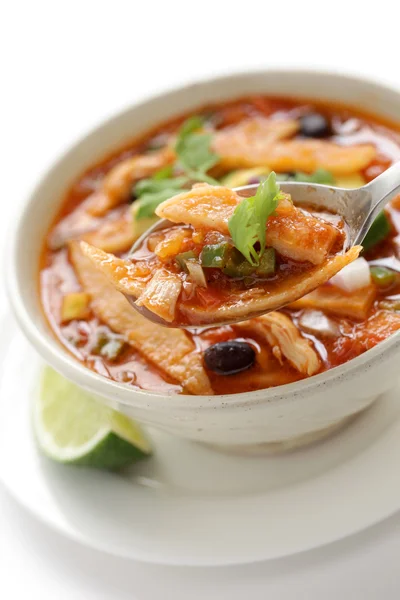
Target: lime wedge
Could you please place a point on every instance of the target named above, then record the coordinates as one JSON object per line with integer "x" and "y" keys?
{"x": 72, "y": 427}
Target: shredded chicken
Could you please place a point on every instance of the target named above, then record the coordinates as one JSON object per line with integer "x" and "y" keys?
{"x": 161, "y": 294}
{"x": 332, "y": 300}
{"x": 288, "y": 231}
{"x": 287, "y": 342}
{"x": 259, "y": 142}
{"x": 285, "y": 338}
{"x": 171, "y": 350}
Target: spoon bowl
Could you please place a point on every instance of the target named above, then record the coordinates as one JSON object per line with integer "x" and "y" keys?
{"x": 357, "y": 207}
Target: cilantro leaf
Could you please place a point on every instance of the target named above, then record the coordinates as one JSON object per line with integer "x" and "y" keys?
{"x": 151, "y": 192}
{"x": 193, "y": 149}
{"x": 247, "y": 225}
{"x": 191, "y": 125}
{"x": 148, "y": 203}
{"x": 153, "y": 185}
{"x": 194, "y": 158}
{"x": 164, "y": 173}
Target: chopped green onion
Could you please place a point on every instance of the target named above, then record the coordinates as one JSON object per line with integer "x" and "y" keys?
{"x": 102, "y": 337}
{"x": 237, "y": 266}
{"x": 196, "y": 273}
{"x": 378, "y": 231}
{"x": 183, "y": 257}
{"x": 107, "y": 344}
{"x": 215, "y": 255}
{"x": 75, "y": 305}
{"x": 112, "y": 349}
{"x": 267, "y": 263}
{"x": 382, "y": 276}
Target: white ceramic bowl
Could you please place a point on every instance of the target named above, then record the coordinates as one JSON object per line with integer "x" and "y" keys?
{"x": 280, "y": 417}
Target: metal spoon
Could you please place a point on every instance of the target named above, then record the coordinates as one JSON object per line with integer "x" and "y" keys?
{"x": 358, "y": 208}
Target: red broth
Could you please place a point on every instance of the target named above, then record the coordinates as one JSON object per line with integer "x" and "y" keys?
{"x": 353, "y": 335}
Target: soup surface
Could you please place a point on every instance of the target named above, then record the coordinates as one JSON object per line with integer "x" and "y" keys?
{"x": 232, "y": 144}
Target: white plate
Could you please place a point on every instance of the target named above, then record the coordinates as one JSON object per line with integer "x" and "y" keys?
{"x": 190, "y": 505}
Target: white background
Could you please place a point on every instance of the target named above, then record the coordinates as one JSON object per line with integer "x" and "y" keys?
{"x": 64, "y": 66}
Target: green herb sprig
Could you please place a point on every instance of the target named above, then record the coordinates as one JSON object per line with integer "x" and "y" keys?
{"x": 194, "y": 159}
{"x": 247, "y": 225}
{"x": 193, "y": 150}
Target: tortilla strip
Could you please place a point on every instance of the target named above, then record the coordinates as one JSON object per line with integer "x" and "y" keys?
{"x": 118, "y": 182}
{"x": 79, "y": 222}
{"x": 252, "y": 143}
{"x": 169, "y": 349}
{"x": 126, "y": 277}
{"x": 292, "y": 232}
{"x": 332, "y": 300}
{"x": 272, "y": 295}
{"x": 114, "y": 236}
{"x": 115, "y": 189}
{"x": 129, "y": 279}
{"x": 377, "y": 328}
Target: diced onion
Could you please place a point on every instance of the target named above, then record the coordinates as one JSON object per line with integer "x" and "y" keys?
{"x": 315, "y": 321}
{"x": 354, "y": 276}
{"x": 196, "y": 273}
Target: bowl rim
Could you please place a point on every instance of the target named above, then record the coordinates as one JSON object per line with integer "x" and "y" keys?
{"x": 50, "y": 348}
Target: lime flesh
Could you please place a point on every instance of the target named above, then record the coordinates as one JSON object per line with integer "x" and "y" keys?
{"x": 72, "y": 427}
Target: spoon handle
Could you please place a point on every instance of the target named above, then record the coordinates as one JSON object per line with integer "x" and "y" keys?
{"x": 380, "y": 191}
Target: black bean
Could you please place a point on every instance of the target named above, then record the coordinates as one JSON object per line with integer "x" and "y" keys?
{"x": 315, "y": 125}
{"x": 227, "y": 358}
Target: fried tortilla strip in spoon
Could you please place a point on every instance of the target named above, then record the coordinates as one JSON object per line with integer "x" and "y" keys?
{"x": 158, "y": 291}
{"x": 288, "y": 231}
{"x": 157, "y": 285}
{"x": 238, "y": 306}
{"x": 268, "y": 297}
{"x": 171, "y": 350}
